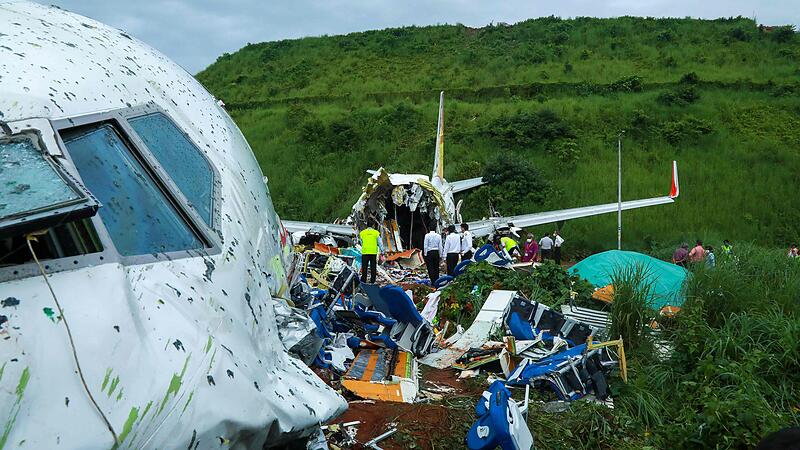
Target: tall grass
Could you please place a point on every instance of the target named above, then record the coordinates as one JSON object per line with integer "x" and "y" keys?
{"x": 630, "y": 313}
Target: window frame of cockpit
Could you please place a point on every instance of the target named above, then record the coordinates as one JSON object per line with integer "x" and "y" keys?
{"x": 209, "y": 235}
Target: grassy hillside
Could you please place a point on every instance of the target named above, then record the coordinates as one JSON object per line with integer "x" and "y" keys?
{"x": 722, "y": 97}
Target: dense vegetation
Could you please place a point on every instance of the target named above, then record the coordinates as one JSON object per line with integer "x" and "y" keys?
{"x": 550, "y": 97}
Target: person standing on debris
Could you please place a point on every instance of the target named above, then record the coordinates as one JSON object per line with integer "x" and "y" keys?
{"x": 698, "y": 253}
{"x": 452, "y": 249}
{"x": 531, "y": 250}
{"x": 466, "y": 243}
{"x": 370, "y": 248}
{"x": 557, "y": 241}
{"x": 711, "y": 260}
{"x": 680, "y": 255}
{"x": 546, "y": 247}
{"x": 432, "y": 250}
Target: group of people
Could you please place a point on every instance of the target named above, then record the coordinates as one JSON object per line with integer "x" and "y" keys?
{"x": 698, "y": 254}
{"x": 457, "y": 246}
{"x": 684, "y": 257}
{"x": 548, "y": 247}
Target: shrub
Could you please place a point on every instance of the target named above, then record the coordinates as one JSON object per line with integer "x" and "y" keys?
{"x": 527, "y": 129}
{"x": 690, "y": 78}
{"x": 664, "y": 36}
{"x": 686, "y": 129}
{"x": 740, "y": 34}
{"x": 783, "y": 34}
{"x": 628, "y": 84}
{"x": 514, "y": 188}
{"x": 566, "y": 150}
{"x": 681, "y": 96}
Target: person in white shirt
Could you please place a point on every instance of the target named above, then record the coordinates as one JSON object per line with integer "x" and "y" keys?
{"x": 546, "y": 247}
{"x": 432, "y": 251}
{"x": 557, "y": 241}
{"x": 452, "y": 249}
{"x": 466, "y": 243}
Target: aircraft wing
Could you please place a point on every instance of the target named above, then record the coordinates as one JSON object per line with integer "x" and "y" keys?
{"x": 487, "y": 226}
{"x": 463, "y": 185}
{"x": 293, "y": 226}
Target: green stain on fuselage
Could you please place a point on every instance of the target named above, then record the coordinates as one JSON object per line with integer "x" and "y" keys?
{"x": 191, "y": 394}
{"x": 174, "y": 385}
{"x": 12, "y": 419}
{"x": 126, "y": 429}
{"x": 208, "y": 344}
{"x": 114, "y": 384}
{"x": 105, "y": 380}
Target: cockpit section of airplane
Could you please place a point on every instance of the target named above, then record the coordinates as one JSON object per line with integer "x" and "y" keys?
{"x": 136, "y": 163}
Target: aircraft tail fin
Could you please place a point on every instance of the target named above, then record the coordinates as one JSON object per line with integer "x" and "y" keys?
{"x": 438, "y": 161}
{"x": 674, "y": 189}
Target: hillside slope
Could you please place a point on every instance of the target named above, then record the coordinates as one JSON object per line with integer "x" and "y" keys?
{"x": 722, "y": 97}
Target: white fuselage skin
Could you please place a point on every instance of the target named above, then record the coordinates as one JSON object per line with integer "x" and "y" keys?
{"x": 180, "y": 352}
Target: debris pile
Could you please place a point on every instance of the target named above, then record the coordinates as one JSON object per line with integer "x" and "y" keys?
{"x": 378, "y": 342}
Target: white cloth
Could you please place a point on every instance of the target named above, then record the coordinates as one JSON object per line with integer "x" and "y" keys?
{"x": 433, "y": 241}
{"x": 466, "y": 242}
{"x": 559, "y": 241}
{"x": 546, "y": 243}
{"x": 452, "y": 244}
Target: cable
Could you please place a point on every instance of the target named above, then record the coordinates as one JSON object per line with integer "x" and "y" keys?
{"x": 32, "y": 237}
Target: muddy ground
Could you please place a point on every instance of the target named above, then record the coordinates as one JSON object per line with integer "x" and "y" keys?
{"x": 439, "y": 424}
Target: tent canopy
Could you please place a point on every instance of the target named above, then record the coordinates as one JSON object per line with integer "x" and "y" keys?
{"x": 667, "y": 279}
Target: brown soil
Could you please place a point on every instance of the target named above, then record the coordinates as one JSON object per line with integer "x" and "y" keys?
{"x": 433, "y": 425}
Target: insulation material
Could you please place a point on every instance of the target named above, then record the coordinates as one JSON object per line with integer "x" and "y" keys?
{"x": 383, "y": 374}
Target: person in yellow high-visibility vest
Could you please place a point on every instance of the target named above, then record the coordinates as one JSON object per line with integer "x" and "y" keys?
{"x": 370, "y": 248}
{"x": 511, "y": 246}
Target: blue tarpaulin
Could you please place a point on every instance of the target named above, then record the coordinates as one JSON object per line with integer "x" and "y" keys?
{"x": 667, "y": 279}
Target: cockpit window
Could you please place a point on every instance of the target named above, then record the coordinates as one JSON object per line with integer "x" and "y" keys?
{"x": 138, "y": 216}
{"x": 181, "y": 159}
{"x": 28, "y": 183}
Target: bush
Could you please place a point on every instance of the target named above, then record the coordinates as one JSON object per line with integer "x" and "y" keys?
{"x": 685, "y": 130}
{"x": 526, "y": 129}
{"x": 783, "y": 34}
{"x": 628, "y": 84}
{"x": 513, "y": 188}
{"x": 566, "y": 150}
{"x": 690, "y": 78}
{"x": 681, "y": 96}
{"x": 740, "y": 34}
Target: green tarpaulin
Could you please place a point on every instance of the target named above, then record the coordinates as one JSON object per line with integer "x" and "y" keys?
{"x": 667, "y": 279}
